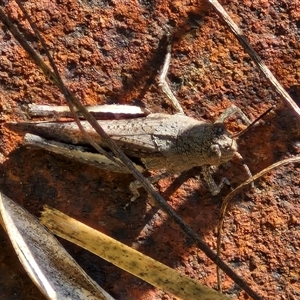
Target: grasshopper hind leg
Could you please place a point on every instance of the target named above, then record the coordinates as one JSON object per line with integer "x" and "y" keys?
{"x": 165, "y": 86}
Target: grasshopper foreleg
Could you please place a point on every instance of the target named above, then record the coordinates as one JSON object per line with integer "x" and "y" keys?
{"x": 213, "y": 187}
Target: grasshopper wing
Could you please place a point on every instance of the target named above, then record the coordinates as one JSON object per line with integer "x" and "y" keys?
{"x": 136, "y": 137}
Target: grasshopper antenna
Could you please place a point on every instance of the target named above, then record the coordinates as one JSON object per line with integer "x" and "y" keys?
{"x": 237, "y": 135}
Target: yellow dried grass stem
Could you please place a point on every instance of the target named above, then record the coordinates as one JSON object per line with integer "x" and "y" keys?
{"x": 126, "y": 258}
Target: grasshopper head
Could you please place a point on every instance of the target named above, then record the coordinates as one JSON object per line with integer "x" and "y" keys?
{"x": 222, "y": 147}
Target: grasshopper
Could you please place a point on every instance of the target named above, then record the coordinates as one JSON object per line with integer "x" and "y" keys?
{"x": 168, "y": 143}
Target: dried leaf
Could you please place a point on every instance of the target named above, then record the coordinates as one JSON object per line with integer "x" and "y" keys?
{"x": 45, "y": 260}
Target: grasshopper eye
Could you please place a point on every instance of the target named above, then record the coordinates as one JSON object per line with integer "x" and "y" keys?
{"x": 219, "y": 128}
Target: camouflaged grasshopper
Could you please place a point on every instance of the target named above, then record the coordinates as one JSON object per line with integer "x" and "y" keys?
{"x": 168, "y": 143}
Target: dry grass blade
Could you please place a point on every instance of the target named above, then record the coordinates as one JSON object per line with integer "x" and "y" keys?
{"x": 254, "y": 56}
{"x": 45, "y": 260}
{"x": 125, "y": 257}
